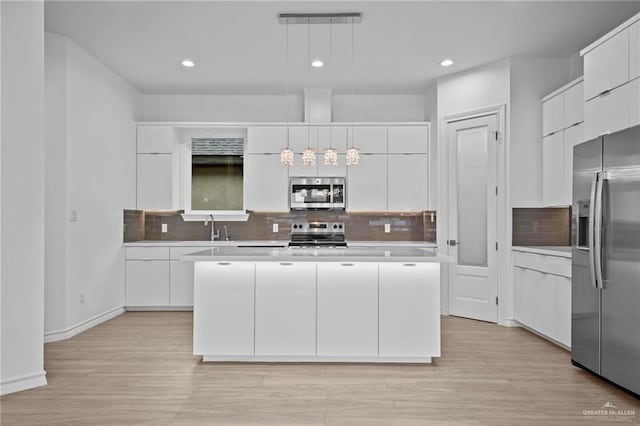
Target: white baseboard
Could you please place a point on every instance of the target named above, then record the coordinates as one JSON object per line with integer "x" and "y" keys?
{"x": 509, "y": 323}
{"x": 74, "y": 330}
{"x": 158, "y": 308}
{"x": 28, "y": 381}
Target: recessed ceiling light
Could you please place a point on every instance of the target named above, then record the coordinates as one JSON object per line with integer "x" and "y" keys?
{"x": 317, "y": 63}
{"x": 188, "y": 63}
{"x": 446, "y": 62}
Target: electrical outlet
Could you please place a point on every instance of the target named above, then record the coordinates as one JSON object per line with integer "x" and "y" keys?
{"x": 82, "y": 298}
{"x": 275, "y": 227}
{"x": 164, "y": 227}
{"x": 387, "y": 228}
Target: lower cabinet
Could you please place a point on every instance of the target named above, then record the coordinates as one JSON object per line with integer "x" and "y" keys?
{"x": 181, "y": 284}
{"x": 542, "y": 300}
{"x": 285, "y": 316}
{"x": 409, "y": 310}
{"x": 223, "y": 314}
{"x": 147, "y": 283}
{"x": 347, "y": 309}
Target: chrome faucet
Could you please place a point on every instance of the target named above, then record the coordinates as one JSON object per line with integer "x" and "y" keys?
{"x": 214, "y": 235}
{"x": 226, "y": 232}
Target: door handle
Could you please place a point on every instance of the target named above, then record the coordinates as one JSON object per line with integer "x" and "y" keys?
{"x": 597, "y": 257}
{"x": 591, "y": 226}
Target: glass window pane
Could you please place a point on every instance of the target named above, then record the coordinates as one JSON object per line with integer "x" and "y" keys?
{"x": 217, "y": 173}
{"x": 472, "y": 196}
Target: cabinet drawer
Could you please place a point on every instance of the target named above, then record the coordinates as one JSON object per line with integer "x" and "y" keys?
{"x": 607, "y": 66}
{"x": 147, "y": 253}
{"x": 555, "y": 265}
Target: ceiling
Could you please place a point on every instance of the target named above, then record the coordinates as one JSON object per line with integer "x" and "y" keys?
{"x": 239, "y": 47}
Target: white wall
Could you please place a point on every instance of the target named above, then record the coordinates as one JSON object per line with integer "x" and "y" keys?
{"x": 22, "y": 194}
{"x": 269, "y": 108}
{"x": 97, "y": 151}
{"x": 531, "y": 80}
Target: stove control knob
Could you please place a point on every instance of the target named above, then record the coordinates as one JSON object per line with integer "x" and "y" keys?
{"x": 335, "y": 226}
{"x": 340, "y": 226}
{"x": 295, "y": 226}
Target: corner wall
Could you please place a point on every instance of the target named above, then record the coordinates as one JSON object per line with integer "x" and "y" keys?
{"x": 22, "y": 196}
{"x": 92, "y": 131}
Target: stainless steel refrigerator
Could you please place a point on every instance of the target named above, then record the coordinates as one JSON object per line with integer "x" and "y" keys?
{"x": 605, "y": 333}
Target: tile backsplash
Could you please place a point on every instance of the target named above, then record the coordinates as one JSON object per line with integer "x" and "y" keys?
{"x": 549, "y": 226}
{"x": 410, "y": 226}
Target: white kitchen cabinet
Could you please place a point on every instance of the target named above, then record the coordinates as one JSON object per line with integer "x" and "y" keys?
{"x": 285, "y": 309}
{"x": 367, "y": 184}
{"x": 610, "y": 112}
{"x": 155, "y": 139}
{"x": 553, "y": 174}
{"x": 154, "y": 182}
{"x": 634, "y": 51}
{"x": 302, "y": 137}
{"x": 634, "y": 102}
{"x": 573, "y": 105}
{"x": 266, "y": 183}
{"x": 563, "y": 310}
{"x": 408, "y": 139}
{"x": 552, "y": 115}
{"x": 572, "y": 136}
{"x": 369, "y": 139}
{"x": 147, "y": 283}
{"x": 336, "y": 139}
{"x": 223, "y": 317}
{"x": 408, "y": 288}
{"x": 523, "y": 309}
{"x": 181, "y": 283}
{"x": 607, "y": 65}
{"x": 407, "y": 180}
{"x": 544, "y": 299}
{"x": 347, "y": 309}
{"x": 266, "y": 139}
{"x": 339, "y": 170}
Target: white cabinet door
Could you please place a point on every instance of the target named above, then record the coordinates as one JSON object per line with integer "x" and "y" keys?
{"x": 552, "y": 115}
{"x": 181, "y": 283}
{"x": 337, "y": 139}
{"x": 223, "y": 308}
{"x": 408, "y": 139}
{"x": 300, "y": 138}
{"x": 370, "y": 139}
{"x": 563, "y": 310}
{"x": 266, "y": 139}
{"x": 634, "y": 51}
{"x": 155, "y": 139}
{"x": 608, "y": 113}
{"x": 573, "y": 105}
{"x": 553, "y": 174}
{"x": 523, "y": 296}
{"x": 339, "y": 170}
{"x": 154, "y": 182}
{"x": 147, "y": 283}
{"x": 285, "y": 308}
{"x": 266, "y": 183}
{"x": 367, "y": 184}
{"x": 408, "y": 182}
{"x": 544, "y": 301}
{"x": 347, "y": 309}
{"x": 634, "y": 102}
{"x": 572, "y": 137}
{"x": 409, "y": 309}
{"x": 607, "y": 66}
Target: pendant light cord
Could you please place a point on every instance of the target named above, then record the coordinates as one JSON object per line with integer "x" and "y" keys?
{"x": 353, "y": 78}
{"x": 286, "y": 74}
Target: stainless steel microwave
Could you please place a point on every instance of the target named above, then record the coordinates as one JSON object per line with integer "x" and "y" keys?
{"x": 312, "y": 193}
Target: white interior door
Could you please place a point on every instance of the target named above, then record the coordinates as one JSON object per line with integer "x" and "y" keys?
{"x": 472, "y": 237}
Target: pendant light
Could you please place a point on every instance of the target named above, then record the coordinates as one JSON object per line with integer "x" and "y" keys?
{"x": 331, "y": 154}
{"x": 309, "y": 154}
{"x": 353, "y": 153}
{"x": 286, "y": 154}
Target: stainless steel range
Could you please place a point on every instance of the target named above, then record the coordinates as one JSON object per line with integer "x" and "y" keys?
{"x": 317, "y": 234}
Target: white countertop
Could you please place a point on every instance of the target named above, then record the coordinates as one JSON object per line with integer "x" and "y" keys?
{"x": 159, "y": 243}
{"x": 350, "y": 254}
{"x": 562, "y": 251}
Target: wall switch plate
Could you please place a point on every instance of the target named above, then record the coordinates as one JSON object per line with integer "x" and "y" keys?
{"x": 275, "y": 227}
{"x": 73, "y": 217}
{"x": 387, "y": 228}
{"x": 164, "y": 227}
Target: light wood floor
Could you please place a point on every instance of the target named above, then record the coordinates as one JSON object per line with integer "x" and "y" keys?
{"x": 138, "y": 369}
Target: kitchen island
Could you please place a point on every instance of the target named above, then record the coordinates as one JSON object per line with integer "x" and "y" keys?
{"x": 356, "y": 304}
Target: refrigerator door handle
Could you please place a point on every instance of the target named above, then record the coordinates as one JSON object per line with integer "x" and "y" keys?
{"x": 591, "y": 232}
{"x": 597, "y": 255}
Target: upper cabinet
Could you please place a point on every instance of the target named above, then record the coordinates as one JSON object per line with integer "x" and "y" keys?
{"x": 369, "y": 139}
{"x": 552, "y": 115}
{"x": 607, "y": 65}
{"x": 611, "y": 73}
{"x": 266, "y": 139}
{"x": 155, "y": 139}
{"x": 573, "y": 109}
{"x": 408, "y": 139}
